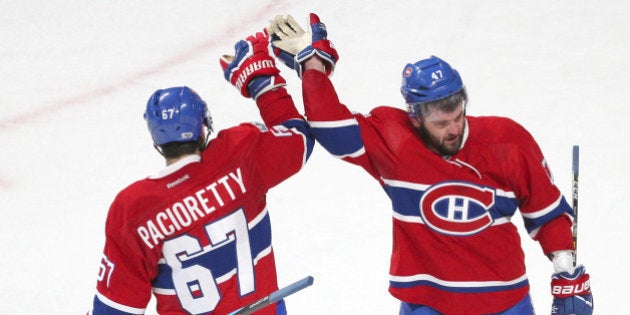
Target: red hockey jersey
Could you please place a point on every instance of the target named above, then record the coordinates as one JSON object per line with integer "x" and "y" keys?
{"x": 454, "y": 246}
{"x": 198, "y": 235}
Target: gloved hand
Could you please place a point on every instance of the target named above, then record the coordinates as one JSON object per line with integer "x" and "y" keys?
{"x": 252, "y": 70}
{"x": 571, "y": 292}
{"x": 293, "y": 46}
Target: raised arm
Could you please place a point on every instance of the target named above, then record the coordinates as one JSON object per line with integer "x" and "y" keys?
{"x": 254, "y": 73}
{"x": 314, "y": 57}
{"x": 284, "y": 145}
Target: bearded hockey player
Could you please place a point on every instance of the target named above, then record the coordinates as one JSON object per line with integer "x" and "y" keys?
{"x": 454, "y": 182}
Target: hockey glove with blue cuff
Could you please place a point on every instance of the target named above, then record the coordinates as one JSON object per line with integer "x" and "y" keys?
{"x": 293, "y": 45}
{"x": 571, "y": 292}
{"x": 252, "y": 70}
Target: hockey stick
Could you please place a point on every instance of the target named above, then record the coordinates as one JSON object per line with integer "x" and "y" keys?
{"x": 576, "y": 172}
{"x": 275, "y": 296}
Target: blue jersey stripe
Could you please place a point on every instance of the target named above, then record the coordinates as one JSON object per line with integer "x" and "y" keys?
{"x": 463, "y": 287}
{"x": 406, "y": 202}
{"x": 221, "y": 260}
{"x": 339, "y": 141}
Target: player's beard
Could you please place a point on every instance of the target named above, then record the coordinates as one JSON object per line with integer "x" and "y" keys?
{"x": 447, "y": 146}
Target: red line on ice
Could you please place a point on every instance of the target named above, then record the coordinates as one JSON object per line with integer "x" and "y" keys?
{"x": 264, "y": 12}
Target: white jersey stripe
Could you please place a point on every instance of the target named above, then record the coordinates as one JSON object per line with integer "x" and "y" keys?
{"x": 418, "y": 219}
{"x": 544, "y": 211}
{"x": 334, "y": 124}
{"x": 456, "y": 284}
{"x": 424, "y": 187}
{"x": 352, "y": 155}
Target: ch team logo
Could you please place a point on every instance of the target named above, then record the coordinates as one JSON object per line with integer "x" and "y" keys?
{"x": 457, "y": 208}
{"x": 407, "y": 72}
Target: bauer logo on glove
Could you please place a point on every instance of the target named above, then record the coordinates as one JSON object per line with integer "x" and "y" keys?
{"x": 571, "y": 292}
{"x": 571, "y": 289}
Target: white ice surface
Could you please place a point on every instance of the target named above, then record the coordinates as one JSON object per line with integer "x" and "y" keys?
{"x": 75, "y": 76}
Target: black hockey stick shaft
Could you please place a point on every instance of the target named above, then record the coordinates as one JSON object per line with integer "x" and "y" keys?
{"x": 576, "y": 173}
{"x": 275, "y": 296}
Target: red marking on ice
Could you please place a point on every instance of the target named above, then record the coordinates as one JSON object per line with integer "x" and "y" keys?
{"x": 5, "y": 184}
{"x": 232, "y": 32}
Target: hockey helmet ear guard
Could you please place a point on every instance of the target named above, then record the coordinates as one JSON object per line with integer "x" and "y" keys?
{"x": 177, "y": 114}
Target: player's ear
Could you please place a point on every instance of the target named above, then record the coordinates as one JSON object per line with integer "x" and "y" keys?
{"x": 416, "y": 122}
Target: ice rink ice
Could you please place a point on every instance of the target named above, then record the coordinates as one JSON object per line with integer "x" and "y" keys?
{"x": 76, "y": 76}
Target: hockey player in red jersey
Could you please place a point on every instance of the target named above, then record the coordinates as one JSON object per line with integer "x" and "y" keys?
{"x": 198, "y": 234}
{"x": 454, "y": 182}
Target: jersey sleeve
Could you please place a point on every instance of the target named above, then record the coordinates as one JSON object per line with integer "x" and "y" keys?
{"x": 276, "y": 107}
{"x": 285, "y": 143}
{"x": 124, "y": 285}
{"x": 545, "y": 211}
{"x": 333, "y": 125}
{"x": 555, "y": 235}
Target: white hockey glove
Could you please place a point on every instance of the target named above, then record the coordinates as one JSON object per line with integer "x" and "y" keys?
{"x": 289, "y": 37}
{"x": 292, "y": 45}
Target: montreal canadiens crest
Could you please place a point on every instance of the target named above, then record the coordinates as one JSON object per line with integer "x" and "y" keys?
{"x": 457, "y": 208}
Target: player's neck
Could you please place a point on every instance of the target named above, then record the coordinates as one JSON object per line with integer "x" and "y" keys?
{"x": 170, "y": 161}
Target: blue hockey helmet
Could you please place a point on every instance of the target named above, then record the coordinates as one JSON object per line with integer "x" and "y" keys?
{"x": 429, "y": 80}
{"x": 177, "y": 114}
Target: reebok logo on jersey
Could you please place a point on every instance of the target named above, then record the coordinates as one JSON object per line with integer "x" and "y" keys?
{"x": 191, "y": 208}
{"x": 178, "y": 181}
